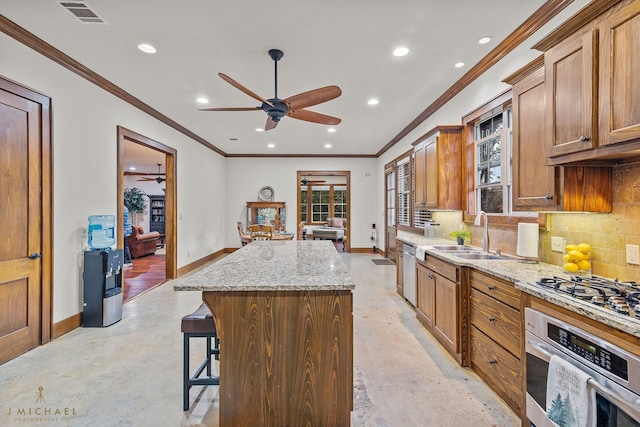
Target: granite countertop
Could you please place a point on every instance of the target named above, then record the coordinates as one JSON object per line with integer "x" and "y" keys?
{"x": 298, "y": 265}
{"x": 524, "y": 276}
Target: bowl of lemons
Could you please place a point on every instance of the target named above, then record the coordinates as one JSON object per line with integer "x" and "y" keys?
{"x": 577, "y": 258}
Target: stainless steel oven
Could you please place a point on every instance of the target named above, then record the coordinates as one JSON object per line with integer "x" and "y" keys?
{"x": 614, "y": 383}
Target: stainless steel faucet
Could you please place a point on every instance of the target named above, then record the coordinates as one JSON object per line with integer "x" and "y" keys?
{"x": 485, "y": 234}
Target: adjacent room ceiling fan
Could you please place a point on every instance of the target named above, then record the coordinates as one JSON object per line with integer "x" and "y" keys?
{"x": 305, "y": 181}
{"x": 293, "y": 106}
{"x": 159, "y": 179}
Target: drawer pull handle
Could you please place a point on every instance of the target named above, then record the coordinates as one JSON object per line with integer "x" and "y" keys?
{"x": 492, "y": 361}
{"x": 585, "y": 138}
{"x": 491, "y": 287}
{"x": 492, "y": 319}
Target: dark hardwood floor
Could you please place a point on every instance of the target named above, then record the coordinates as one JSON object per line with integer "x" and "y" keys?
{"x": 147, "y": 273}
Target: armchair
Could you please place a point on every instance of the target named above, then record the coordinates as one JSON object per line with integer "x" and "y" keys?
{"x": 141, "y": 243}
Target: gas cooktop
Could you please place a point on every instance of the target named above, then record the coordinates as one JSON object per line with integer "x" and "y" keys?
{"x": 622, "y": 298}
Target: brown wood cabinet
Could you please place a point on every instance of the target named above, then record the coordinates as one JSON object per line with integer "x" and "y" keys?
{"x": 438, "y": 169}
{"x": 495, "y": 332}
{"x": 619, "y": 77}
{"x": 440, "y": 303}
{"x": 535, "y": 183}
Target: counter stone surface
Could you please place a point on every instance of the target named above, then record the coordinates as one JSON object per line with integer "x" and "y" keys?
{"x": 524, "y": 276}
{"x": 299, "y": 265}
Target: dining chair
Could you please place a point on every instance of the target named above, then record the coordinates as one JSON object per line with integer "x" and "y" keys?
{"x": 301, "y": 231}
{"x": 277, "y": 225}
{"x": 244, "y": 237}
{"x": 261, "y": 231}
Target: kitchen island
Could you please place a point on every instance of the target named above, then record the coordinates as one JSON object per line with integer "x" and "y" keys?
{"x": 283, "y": 313}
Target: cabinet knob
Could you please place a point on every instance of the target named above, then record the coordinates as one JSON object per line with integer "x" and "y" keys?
{"x": 549, "y": 196}
{"x": 492, "y": 361}
{"x": 491, "y": 287}
{"x": 585, "y": 138}
{"x": 492, "y": 319}
{"x": 35, "y": 255}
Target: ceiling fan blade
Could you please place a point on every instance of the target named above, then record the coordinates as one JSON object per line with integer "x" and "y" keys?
{"x": 312, "y": 116}
{"x": 231, "y": 109}
{"x": 312, "y": 97}
{"x": 243, "y": 89}
{"x": 146, "y": 179}
{"x": 270, "y": 123}
{"x": 142, "y": 173}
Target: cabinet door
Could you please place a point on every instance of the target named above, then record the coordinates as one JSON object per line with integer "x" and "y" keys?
{"x": 445, "y": 326}
{"x": 571, "y": 99}
{"x": 619, "y": 79}
{"x": 425, "y": 299}
{"x": 534, "y": 183}
{"x": 419, "y": 176}
{"x": 431, "y": 173}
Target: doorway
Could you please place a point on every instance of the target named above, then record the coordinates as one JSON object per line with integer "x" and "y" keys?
{"x": 158, "y": 183}
{"x": 25, "y": 220}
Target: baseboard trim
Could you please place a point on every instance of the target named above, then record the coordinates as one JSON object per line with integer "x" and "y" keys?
{"x": 200, "y": 262}
{"x": 366, "y": 251}
{"x": 66, "y": 325}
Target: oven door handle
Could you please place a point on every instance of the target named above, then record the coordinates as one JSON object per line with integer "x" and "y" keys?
{"x": 628, "y": 402}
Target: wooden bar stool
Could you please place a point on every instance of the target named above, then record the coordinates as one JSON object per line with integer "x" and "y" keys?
{"x": 199, "y": 324}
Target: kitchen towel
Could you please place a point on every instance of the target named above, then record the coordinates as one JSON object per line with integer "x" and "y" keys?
{"x": 567, "y": 394}
{"x": 527, "y": 245}
{"x": 421, "y": 252}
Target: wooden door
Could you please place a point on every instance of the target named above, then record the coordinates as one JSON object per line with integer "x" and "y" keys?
{"x": 570, "y": 81}
{"x": 619, "y": 82}
{"x": 20, "y": 225}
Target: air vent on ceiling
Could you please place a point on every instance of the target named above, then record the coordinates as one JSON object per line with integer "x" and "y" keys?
{"x": 82, "y": 12}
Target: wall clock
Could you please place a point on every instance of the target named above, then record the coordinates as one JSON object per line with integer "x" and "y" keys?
{"x": 266, "y": 194}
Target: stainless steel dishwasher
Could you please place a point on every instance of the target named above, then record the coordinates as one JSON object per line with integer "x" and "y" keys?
{"x": 409, "y": 273}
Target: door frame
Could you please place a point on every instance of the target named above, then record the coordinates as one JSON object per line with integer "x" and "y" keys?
{"x": 46, "y": 185}
{"x": 171, "y": 268}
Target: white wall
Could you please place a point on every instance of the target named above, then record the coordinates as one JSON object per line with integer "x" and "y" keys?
{"x": 245, "y": 177}
{"x": 85, "y": 169}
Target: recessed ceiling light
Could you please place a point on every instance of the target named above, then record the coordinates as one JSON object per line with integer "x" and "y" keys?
{"x": 327, "y": 146}
{"x": 400, "y": 51}
{"x": 484, "y": 40}
{"x": 331, "y": 130}
{"x": 202, "y": 100}
{"x": 146, "y": 48}
{"x": 259, "y": 130}
{"x": 373, "y": 101}
{"x": 459, "y": 64}
{"x": 271, "y": 145}
{"x": 132, "y": 168}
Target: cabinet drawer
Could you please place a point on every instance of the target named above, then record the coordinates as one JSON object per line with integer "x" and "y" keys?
{"x": 498, "y": 368}
{"x": 499, "y": 321}
{"x": 443, "y": 268}
{"x": 496, "y": 288}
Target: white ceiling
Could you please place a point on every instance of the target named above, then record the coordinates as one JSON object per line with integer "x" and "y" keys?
{"x": 343, "y": 42}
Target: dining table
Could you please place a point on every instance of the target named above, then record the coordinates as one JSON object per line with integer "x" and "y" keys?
{"x": 283, "y": 315}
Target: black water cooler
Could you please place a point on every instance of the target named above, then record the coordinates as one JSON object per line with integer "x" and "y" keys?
{"x": 102, "y": 276}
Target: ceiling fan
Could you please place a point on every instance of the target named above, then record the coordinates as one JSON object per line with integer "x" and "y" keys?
{"x": 305, "y": 181}
{"x": 293, "y": 106}
{"x": 159, "y": 179}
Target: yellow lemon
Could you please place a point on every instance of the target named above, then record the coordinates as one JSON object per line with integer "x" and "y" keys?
{"x": 571, "y": 267}
{"x": 567, "y": 258}
{"x": 576, "y": 255}
{"x": 584, "y": 247}
{"x": 584, "y": 265}
{"x": 586, "y": 255}
{"x": 570, "y": 248}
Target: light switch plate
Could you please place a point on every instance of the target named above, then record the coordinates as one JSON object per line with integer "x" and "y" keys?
{"x": 633, "y": 254}
{"x": 557, "y": 244}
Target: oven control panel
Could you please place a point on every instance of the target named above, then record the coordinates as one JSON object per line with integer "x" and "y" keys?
{"x": 589, "y": 351}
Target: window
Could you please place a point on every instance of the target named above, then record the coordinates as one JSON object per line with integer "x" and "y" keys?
{"x": 493, "y": 161}
{"x": 322, "y": 201}
{"x": 404, "y": 193}
{"x": 391, "y": 198}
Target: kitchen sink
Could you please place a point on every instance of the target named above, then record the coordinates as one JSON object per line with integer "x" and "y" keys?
{"x": 481, "y": 256}
{"x": 456, "y": 248}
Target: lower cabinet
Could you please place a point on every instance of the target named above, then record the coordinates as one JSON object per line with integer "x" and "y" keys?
{"x": 496, "y": 342}
{"x": 440, "y": 303}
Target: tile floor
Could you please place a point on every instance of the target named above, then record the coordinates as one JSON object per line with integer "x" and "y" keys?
{"x": 129, "y": 374}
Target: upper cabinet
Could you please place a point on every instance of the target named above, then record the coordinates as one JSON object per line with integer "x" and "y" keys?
{"x": 620, "y": 76}
{"x": 534, "y": 182}
{"x": 438, "y": 168}
{"x": 592, "y": 86}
